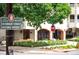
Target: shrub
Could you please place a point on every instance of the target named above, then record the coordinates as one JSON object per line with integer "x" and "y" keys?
{"x": 39, "y": 43}
{"x": 76, "y": 39}
{"x": 68, "y": 46}
{"x": 57, "y": 42}
{"x": 30, "y": 44}
{"x": 64, "y": 47}
{"x": 77, "y": 45}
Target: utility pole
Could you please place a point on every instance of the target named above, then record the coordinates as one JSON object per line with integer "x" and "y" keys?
{"x": 9, "y": 33}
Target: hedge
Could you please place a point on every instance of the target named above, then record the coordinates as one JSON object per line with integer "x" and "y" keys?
{"x": 39, "y": 43}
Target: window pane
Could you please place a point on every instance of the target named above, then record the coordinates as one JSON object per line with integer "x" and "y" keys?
{"x": 71, "y": 16}
{"x": 78, "y": 4}
{"x": 77, "y": 16}
{"x": 72, "y": 4}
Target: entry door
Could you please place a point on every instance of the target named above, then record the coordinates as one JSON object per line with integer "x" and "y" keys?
{"x": 43, "y": 34}
{"x": 26, "y": 34}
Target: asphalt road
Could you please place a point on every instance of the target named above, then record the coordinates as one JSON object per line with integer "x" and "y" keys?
{"x": 26, "y": 50}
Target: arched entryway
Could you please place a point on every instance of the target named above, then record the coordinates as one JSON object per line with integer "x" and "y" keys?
{"x": 43, "y": 34}
{"x": 70, "y": 33}
{"x": 26, "y": 34}
{"x": 58, "y": 34}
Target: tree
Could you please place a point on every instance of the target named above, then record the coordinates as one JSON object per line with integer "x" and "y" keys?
{"x": 2, "y": 9}
{"x": 37, "y": 13}
{"x": 60, "y": 12}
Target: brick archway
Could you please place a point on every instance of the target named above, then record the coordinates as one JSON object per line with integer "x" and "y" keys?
{"x": 58, "y": 34}
{"x": 43, "y": 34}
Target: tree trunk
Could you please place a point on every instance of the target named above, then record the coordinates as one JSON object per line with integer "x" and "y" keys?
{"x": 9, "y": 33}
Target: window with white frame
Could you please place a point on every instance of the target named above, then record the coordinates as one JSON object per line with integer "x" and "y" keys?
{"x": 78, "y": 17}
{"x": 72, "y": 17}
{"x": 72, "y": 4}
{"x": 78, "y": 4}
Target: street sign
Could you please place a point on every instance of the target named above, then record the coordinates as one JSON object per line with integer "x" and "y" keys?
{"x": 52, "y": 28}
{"x": 14, "y": 25}
{"x": 11, "y": 17}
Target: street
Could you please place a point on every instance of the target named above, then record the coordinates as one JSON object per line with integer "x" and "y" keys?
{"x": 28, "y": 50}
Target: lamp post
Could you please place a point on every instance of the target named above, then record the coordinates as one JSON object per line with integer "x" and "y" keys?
{"x": 53, "y": 28}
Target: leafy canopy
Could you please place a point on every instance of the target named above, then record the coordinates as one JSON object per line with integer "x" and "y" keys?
{"x": 37, "y": 13}
{"x": 60, "y": 12}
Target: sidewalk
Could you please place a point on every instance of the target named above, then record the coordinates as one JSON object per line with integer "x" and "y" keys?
{"x": 37, "y": 50}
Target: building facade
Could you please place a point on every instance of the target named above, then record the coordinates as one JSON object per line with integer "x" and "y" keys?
{"x": 68, "y": 29}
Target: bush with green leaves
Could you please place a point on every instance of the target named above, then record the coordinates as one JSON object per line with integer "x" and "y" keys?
{"x": 68, "y": 46}
{"x": 76, "y": 39}
{"x": 39, "y": 43}
{"x": 63, "y": 47}
{"x": 30, "y": 44}
{"x": 54, "y": 42}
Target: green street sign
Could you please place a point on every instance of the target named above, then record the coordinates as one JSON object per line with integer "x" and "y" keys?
{"x": 14, "y": 25}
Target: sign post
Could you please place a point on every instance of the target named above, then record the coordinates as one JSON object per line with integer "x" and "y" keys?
{"x": 52, "y": 28}
{"x": 10, "y": 23}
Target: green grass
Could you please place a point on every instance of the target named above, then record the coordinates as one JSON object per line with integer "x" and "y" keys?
{"x": 76, "y": 39}
{"x": 64, "y": 47}
{"x": 39, "y": 43}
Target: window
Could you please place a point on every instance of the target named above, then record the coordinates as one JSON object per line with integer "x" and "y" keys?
{"x": 72, "y": 18}
{"x": 77, "y": 16}
{"x": 72, "y": 4}
{"x": 78, "y": 4}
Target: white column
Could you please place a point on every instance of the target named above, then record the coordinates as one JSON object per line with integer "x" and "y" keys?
{"x": 35, "y": 35}
{"x": 51, "y": 35}
{"x": 64, "y": 35}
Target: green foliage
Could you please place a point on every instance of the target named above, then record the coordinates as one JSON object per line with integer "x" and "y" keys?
{"x": 30, "y": 44}
{"x": 76, "y": 39}
{"x": 37, "y": 13}
{"x": 2, "y": 9}
{"x": 39, "y": 43}
{"x": 68, "y": 46}
{"x": 56, "y": 42}
{"x": 60, "y": 12}
{"x": 63, "y": 47}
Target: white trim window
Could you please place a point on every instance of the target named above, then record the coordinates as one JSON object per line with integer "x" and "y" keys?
{"x": 72, "y": 4}
{"x": 78, "y": 17}
{"x": 72, "y": 17}
{"x": 78, "y": 4}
